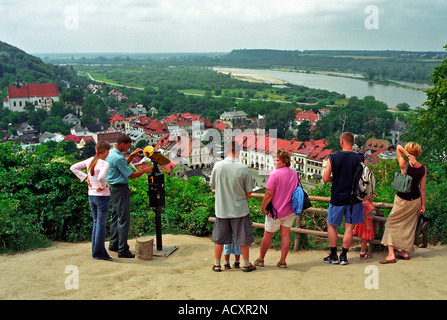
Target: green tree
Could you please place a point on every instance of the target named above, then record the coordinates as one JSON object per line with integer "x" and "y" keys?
{"x": 429, "y": 129}
{"x": 403, "y": 106}
{"x": 303, "y": 131}
{"x": 280, "y": 119}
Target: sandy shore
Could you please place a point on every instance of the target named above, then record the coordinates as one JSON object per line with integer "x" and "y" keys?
{"x": 186, "y": 274}
{"x": 252, "y": 77}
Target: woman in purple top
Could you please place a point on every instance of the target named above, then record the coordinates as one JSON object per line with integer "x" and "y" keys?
{"x": 280, "y": 186}
{"x": 98, "y": 195}
{"x": 401, "y": 225}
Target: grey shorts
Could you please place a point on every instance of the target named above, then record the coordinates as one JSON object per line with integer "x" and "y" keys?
{"x": 240, "y": 228}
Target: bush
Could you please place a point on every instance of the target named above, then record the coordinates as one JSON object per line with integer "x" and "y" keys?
{"x": 42, "y": 200}
{"x": 19, "y": 233}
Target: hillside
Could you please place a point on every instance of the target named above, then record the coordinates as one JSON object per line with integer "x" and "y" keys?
{"x": 16, "y": 64}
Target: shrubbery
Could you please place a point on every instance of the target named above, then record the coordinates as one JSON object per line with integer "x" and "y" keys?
{"x": 41, "y": 201}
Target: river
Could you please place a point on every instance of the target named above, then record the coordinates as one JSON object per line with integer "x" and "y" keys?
{"x": 391, "y": 95}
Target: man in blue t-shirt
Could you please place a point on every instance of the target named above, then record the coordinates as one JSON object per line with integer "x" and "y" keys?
{"x": 340, "y": 171}
{"x": 118, "y": 175}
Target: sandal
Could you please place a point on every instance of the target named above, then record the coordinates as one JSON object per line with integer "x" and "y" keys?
{"x": 227, "y": 266}
{"x": 249, "y": 268}
{"x": 399, "y": 256}
{"x": 236, "y": 265}
{"x": 259, "y": 262}
{"x": 387, "y": 261}
{"x": 216, "y": 268}
{"x": 281, "y": 265}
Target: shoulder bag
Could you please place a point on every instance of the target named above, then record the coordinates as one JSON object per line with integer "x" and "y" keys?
{"x": 402, "y": 181}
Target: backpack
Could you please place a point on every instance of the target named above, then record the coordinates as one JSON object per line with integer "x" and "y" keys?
{"x": 364, "y": 183}
{"x": 300, "y": 200}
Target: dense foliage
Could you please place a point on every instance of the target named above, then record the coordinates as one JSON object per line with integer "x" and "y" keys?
{"x": 16, "y": 64}
{"x": 41, "y": 200}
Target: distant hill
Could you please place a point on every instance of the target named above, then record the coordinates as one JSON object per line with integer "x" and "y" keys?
{"x": 374, "y": 65}
{"x": 16, "y": 64}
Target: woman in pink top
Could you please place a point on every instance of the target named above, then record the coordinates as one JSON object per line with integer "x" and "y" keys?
{"x": 280, "y": 186}
{"x": 98, "y": 195}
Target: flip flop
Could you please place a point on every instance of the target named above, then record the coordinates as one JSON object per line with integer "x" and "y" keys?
{"x": 259, "y": 263}
{"x": 281, "y": 265}
{"x": 387, "y": 261}
{"x": 398, "y": 256}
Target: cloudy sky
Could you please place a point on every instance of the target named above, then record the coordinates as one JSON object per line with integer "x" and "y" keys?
{"x": 155, "y": 26}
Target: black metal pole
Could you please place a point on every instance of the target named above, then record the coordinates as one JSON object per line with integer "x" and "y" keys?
{"x": 158, "y": 228}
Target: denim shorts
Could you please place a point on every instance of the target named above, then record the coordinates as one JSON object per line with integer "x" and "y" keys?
{"x": 353, "y": 214}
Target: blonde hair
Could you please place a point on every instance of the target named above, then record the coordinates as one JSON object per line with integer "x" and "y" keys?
{"x": 284, "y": 156}
{"x": 413, "y": 148}
{"x": 101, "y": 146}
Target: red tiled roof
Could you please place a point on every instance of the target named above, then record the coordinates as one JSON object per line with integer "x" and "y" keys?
{"x": 296, "y": 145}
{"x": 221, "y": 126}
{"x": 34, "y": 90}
{"x": 282, "y": 144}
{"x": 308, "y": 115}
{"x": 316, "y": 143}
{"x": 73, "y": 138}
{"x": 320, "y": 154}
{"x": 263, "y": 144}
{"x": 116, "y": 117}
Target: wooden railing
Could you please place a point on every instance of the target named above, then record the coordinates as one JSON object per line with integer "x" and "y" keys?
{"x": 378, "y": 221}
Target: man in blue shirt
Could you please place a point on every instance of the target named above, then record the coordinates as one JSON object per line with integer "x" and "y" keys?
{"x": 117, "y": 177}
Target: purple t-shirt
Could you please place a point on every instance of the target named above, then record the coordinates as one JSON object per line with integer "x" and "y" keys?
{"x": 283, "y": 181}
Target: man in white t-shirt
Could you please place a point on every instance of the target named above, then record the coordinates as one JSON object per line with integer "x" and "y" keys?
{"x": 233, "y": 184}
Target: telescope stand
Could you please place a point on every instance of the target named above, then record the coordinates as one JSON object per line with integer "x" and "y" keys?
{"x": 159, "y": 250}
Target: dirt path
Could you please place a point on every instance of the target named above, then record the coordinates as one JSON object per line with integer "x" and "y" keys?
{"x": 186, "y": 274}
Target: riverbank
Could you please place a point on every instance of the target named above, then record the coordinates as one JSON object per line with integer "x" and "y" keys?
{"x": 186, "y": 274}
{"x": 253, "y": 77}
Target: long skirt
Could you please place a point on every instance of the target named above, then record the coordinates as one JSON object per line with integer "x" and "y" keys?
{"x": 400, "y": 226}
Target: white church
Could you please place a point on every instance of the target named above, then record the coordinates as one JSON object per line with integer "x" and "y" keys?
{"x": 41, "y": 95}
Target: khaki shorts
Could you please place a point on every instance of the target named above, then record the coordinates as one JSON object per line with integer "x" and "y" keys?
{"x": 273, "y": 225}
{"x": 239, "y": 228}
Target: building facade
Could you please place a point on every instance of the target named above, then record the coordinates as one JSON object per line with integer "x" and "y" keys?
{"x": 40, "y": 95}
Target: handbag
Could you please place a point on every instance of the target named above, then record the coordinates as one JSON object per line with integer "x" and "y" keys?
{"x": 420, "y": 238}
{"x": 402, "y": 181}
{"x": 306, "y": 200}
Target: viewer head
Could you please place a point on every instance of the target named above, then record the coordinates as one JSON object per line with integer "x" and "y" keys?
{"x": 102, "y": 151}
{"x": 102, "y": 146}
{"x": 348, "y": 138}
{"x": 232, "y": 148}
{"x": 123, "y": 143}
{"x": 413, "y": 148}
{"x": 347, "y": 141}
{"x": 284, "y": 157}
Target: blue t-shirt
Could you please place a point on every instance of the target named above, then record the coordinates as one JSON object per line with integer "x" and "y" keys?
{"x": 119, "y": 170}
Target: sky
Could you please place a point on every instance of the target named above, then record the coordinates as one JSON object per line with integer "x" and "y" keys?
{"x": 161, "y": 26}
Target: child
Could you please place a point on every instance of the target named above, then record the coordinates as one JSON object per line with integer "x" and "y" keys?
{"x": 232, "y": 249}
{"x": 365, "y": 230}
